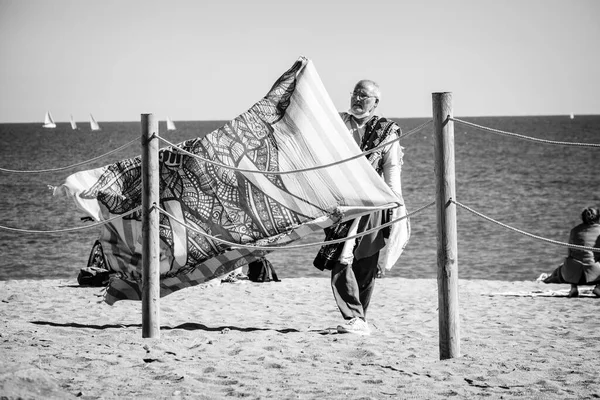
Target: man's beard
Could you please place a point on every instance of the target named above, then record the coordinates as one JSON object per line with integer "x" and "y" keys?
{"x": 358, "y": 116}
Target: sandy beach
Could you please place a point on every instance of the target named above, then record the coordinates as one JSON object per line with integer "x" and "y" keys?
{"x": 276, "y": 340}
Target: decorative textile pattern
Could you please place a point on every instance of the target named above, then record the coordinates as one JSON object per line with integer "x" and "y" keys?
{"x": 294, "y": 126}
{"x": 392, "y": 240}
{"x": 377, "y": 129}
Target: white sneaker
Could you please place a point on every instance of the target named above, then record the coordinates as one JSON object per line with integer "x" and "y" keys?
{"x": 355, "y": 325}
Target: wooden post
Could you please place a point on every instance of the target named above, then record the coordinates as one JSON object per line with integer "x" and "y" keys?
{"x": 150, "y": 237}
{"x": 447, "y": 249}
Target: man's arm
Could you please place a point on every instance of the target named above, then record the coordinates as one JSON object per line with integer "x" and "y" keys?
{"x": 392, "y": 165}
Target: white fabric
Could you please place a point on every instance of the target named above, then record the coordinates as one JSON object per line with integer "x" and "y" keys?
{"x": 294, "y": 127}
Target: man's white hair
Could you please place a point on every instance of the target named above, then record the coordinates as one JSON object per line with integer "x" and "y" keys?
{"x": 375, "y": 86}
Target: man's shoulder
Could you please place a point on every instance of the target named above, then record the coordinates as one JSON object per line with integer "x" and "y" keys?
{"x": 345, "y": 115}
{"x": 387, "y": 120}
{"x": 386, "y": 124}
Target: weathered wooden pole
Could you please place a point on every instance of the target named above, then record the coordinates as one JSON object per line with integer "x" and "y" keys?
{"x": 150, "y": 237}
{"x": 447, "y": 248}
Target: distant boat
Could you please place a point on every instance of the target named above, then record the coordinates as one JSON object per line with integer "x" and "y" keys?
{"x": 73, "y": 124}
{"x": 572, "y": 115}
{"x": 93, "y": 124}
{"x": 48, "y": 121}
{"x": 170, "y": 124}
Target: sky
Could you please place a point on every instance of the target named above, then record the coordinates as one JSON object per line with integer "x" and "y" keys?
{"x": 212, "y": 60}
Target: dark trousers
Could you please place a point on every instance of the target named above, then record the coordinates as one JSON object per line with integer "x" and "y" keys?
{"x": 353, "y": 285}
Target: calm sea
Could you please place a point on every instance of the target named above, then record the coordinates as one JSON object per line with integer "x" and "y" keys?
{"x": 538, "y": 188}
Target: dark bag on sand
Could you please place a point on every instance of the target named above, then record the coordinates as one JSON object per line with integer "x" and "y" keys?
{"x": 96, "y": 273}
{"x": 93, "y": 276}
{"x": 262, "y": 270}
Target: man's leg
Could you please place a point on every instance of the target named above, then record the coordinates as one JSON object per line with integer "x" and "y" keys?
{"x": 353, "y": 296}
{"x": 346, "y": 291}
{"x": 365, "y": 272}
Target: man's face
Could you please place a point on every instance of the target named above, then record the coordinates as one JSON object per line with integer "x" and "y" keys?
{"x": 363, "y": 99}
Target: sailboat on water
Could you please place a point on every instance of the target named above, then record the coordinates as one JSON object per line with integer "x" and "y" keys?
{"x": 93, "y": 124}
{"x": 170, "y": 124}
{"x": 73, "y": 124}
{"x": 572, "y": 116}
{"x": 48, "y": 121}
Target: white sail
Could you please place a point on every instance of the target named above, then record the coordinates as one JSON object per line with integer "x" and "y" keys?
{"x": 170, "y": 124}
{"x": 572, "y": 115}
{"x": 73, "y": 124}
{"x": 93, "y": 124}
{"x": 48, "y": 121}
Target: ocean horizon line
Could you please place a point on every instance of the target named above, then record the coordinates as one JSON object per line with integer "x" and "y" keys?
{"x": 226, "y": 120}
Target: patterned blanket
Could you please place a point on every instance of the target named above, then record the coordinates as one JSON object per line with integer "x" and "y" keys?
{"x": 295, "y": 126}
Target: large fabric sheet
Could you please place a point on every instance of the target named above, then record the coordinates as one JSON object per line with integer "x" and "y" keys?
{"x": 295, "y": 126}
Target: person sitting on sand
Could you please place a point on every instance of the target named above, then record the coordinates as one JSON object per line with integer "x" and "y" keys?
{"x": 581, "y": 267}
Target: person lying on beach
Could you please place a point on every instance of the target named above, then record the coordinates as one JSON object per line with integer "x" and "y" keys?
{"x": 581, "y": 267}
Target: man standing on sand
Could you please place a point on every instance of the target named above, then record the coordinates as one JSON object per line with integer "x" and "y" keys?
{"x": 354, "y": 263}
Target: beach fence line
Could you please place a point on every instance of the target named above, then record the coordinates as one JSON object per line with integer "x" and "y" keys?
{"x": 445, "y": 202}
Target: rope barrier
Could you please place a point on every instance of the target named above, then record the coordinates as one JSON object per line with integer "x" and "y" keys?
{"x": 572, "y": 246}
{"x": 81, "y": 228}
{"x": 274, "y": 247}
{"x": 298, "y": 246}
{"x": 72, "y": 165}
{"x": 216, "y": 163}
{"x": 531, "y": 139}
